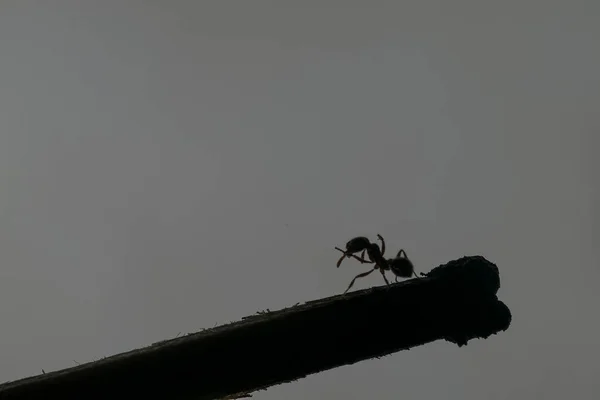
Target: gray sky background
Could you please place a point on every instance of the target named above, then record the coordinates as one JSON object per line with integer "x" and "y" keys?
{"x": 169, "y": 166}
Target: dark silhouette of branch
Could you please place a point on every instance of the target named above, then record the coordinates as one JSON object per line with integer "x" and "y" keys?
{"x": 456, "y": 302}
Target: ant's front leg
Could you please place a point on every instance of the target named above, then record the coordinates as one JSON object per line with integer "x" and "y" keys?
{"x": 382, "y": 244}
{"x": 362, "y": 258}
{"x": 346, "y": 254}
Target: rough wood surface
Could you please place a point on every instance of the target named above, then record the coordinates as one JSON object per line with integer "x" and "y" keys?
{"x": 456, "y": 302}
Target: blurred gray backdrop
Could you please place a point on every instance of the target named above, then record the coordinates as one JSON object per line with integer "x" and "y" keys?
{"x": 169, "y": 166}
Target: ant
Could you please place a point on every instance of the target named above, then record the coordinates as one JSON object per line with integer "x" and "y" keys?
{"x": 401, "y": 265}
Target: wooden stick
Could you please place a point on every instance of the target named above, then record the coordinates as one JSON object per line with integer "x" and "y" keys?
{"x": 456, "y": 302}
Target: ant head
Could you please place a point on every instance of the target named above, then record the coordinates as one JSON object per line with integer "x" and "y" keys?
{"x": 401, "y": 266}
{"x": 357, "y": 244}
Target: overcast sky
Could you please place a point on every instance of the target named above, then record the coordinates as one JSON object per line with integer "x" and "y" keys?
{"x": 166, "y": 166}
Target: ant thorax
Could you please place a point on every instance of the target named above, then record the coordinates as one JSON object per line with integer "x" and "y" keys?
{"x": 374, "y": 252}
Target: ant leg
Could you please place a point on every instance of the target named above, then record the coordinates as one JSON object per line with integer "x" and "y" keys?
{"x": 362, "y": 258}
{"x": 346, "y": 254}
{"x": 384, "y": 277}
{"x": 382, "y": 244}
{"x": 358, "y": 276}
{"x": 415, "y": 274}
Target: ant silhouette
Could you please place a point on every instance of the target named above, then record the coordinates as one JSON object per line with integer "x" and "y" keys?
{"x": 401, "y": 265}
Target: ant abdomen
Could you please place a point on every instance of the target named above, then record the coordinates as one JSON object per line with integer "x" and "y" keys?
{"x": 401, "y": 267}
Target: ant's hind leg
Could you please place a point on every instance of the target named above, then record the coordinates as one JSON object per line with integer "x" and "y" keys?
{"x": 384, "y": 277}
{"x": 400, "y": 254}
{"x": 382, "y": 243}
{"x": 358, "y": 276}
